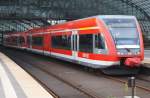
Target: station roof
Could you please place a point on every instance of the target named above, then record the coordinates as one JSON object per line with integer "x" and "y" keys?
{"x": 20, "y": 15}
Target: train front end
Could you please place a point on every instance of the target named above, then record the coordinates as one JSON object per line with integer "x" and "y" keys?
{"x": 126, "y": 36}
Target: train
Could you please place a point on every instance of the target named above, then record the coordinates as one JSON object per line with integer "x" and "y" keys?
{"x": 99, "y": 42}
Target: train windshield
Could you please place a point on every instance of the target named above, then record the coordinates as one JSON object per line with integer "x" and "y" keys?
{"x": 124, "y": 31}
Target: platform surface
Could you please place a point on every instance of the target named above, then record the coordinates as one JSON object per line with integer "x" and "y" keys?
{"x": 17, "y": 83}
{"x": 147, "y": 58}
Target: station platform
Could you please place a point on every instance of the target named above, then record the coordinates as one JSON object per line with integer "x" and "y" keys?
{"x": 17, "y": 83}
{"x": 146, "y": 61}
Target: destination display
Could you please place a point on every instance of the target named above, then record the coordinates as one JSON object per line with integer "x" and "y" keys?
{"x": 120, "y": 22}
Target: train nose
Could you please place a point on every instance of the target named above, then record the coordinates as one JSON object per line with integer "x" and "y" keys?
{"x": 132, "y": 62}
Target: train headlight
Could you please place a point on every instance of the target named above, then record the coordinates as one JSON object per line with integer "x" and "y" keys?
{"x": 129, "y": 53}
{"x": 122, "y": 53}
{"x": 118, "y": 53}
{"x": 138, "y": 52}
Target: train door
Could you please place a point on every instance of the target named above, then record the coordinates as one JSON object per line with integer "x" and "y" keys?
{"x": 18, "y": 41}
{"x": 29, "y": 41}
{"x": 75, "y": 44}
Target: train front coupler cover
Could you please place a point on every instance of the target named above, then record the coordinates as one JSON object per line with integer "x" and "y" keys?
{"x": 132, "y": 62}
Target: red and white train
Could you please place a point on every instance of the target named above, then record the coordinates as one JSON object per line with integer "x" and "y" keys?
{"x": 97, "y": 42}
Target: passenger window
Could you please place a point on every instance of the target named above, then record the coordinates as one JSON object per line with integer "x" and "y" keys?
{"x": 86, "y": 43}
{"x": 99, "y": 41}
{"x": 37, "y": 41}
{"x": 21, "y": 40}
{"x": 61, "y": 42}
{"x": 8, "y": 40}
{"x": 14, "y": 40}
{"x": 28, "y": 40}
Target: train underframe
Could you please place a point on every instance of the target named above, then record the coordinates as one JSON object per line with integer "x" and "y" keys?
{"x": 127, "y": 66}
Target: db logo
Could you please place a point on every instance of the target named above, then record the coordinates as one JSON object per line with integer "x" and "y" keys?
{"x": 85, "y": 55}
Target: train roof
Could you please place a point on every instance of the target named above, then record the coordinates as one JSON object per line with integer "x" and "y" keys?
{"x": 89, "y": 21}
{"x": 116, "y": 16}
{"x": 73, "y": 24}
{"x": 108, "y": 16}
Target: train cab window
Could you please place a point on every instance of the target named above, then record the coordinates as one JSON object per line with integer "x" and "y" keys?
{"x": 99, "y": 41}
{"x": 100, "y": 47}
{"x": 86, "y": 43}
{"x": 61, "y": 42}
{"x": 37, "y": 41}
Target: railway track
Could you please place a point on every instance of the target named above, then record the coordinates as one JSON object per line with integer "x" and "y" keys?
{"x": 19, "y": 61}
{"x": 144, "y": 85}
{"x": 144, "y": 78}
{"x": 89, "y": 93}
{"x": 85, "y": 91}
{"x": 70, "y": 83}
{"x": 141, "y": 80}
{"x": 43, "y": 85}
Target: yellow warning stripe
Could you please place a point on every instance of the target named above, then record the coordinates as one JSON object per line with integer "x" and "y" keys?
{"x": 87, "y": 28}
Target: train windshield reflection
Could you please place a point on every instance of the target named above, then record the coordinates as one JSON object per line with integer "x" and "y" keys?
{"x": 124, "y": 31}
